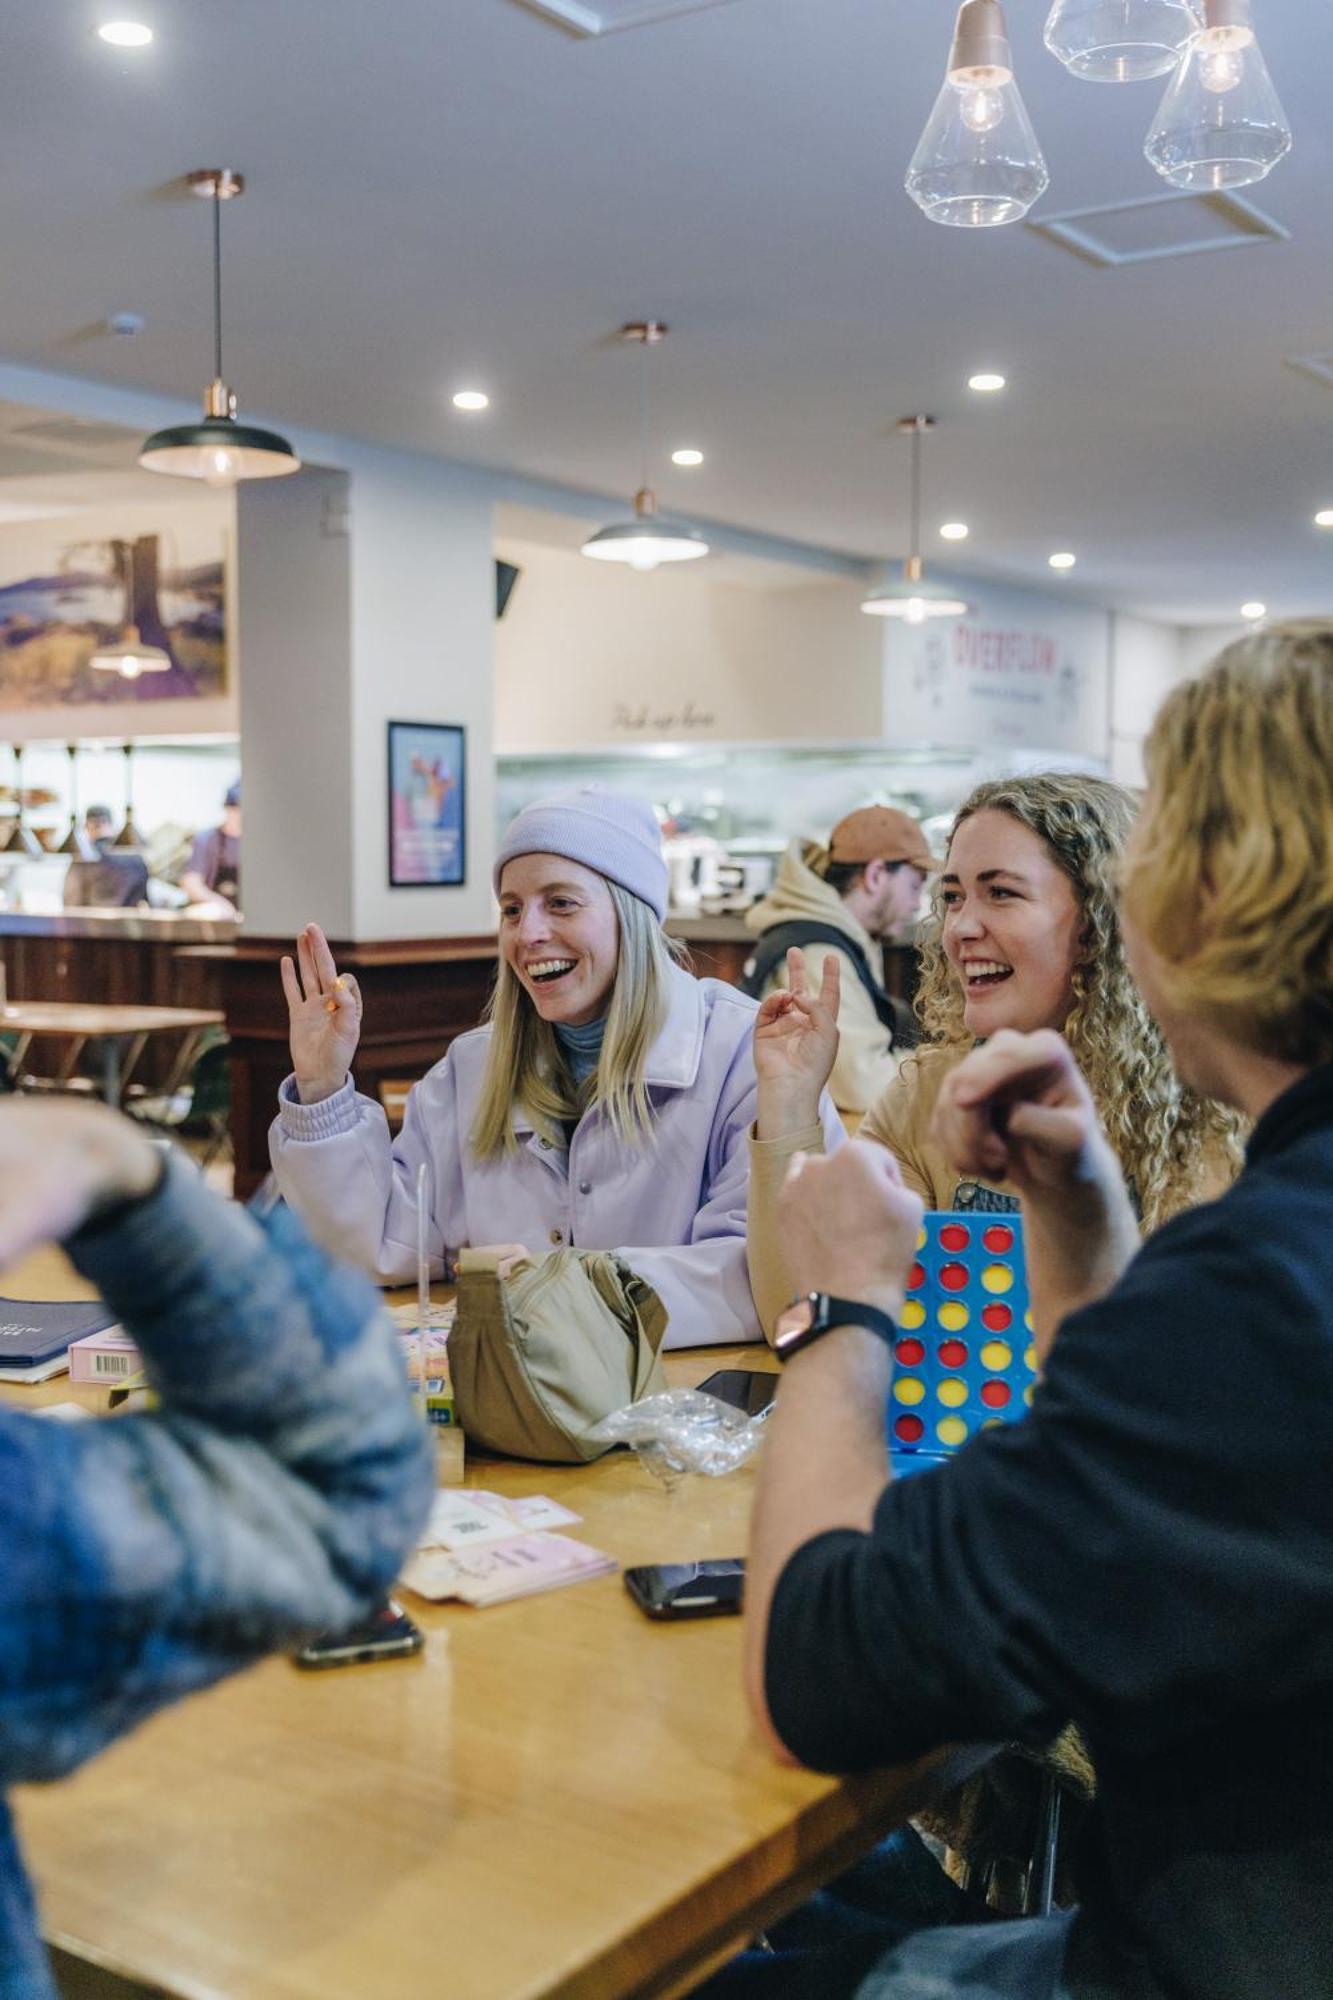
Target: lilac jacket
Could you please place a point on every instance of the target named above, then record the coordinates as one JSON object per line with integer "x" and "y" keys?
{"x": 674, "y": 1207}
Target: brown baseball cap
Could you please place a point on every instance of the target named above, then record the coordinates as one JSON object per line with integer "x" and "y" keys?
{"x": 880, "y": 833}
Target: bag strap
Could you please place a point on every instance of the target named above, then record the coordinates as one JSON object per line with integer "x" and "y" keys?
{"x": 774, "y": 945}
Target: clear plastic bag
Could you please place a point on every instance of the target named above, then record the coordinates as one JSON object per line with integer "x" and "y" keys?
{"x": 682, "y": 1430}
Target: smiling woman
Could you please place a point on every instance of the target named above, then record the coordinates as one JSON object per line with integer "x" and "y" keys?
{"x": 604, "y": 1106}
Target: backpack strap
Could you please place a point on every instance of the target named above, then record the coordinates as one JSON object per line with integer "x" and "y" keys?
{"x": 774, "y": 944}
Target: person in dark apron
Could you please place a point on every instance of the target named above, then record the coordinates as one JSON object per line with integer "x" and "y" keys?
{"x": 214, "y": 871}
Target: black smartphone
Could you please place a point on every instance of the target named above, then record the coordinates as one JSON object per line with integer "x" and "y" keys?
{"x": 387, "y": 1634}
{"x": 748, "y": 1389}
{"x": 687, "y": 1590}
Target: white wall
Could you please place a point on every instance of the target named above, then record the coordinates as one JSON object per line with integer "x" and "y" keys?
{"x": 592, "y": 654}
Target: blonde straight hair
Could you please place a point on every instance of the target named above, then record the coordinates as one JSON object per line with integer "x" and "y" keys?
{"x": 524, "y": 1066}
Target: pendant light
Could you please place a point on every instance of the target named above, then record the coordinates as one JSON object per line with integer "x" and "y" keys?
{"x": 20, "y": 839}
{"x": 648, "y": 537}
{"x": 1220, "y": 124}
{"x": 74, "y": 842}
{"x": 978, "y": 163}
{"x": 130, "y": 657}
{"x": 218, "y": 449}
{"x": 912, "y": 596}
{"x": 1120, "y": 41}
{"x": 128, "y": 839}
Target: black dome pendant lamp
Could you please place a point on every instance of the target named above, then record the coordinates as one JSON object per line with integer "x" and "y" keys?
{"x": 219, "y": 449}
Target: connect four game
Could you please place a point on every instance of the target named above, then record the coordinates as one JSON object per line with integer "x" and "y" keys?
{"x": 964, "y": 1357}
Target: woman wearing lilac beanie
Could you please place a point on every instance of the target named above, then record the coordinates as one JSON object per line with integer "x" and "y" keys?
{"x": 604, "y": 1106}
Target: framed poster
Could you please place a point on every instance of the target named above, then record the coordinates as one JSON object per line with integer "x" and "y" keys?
{"x": 427, "y": 819}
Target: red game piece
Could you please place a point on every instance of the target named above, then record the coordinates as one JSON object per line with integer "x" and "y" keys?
{"x": 996, "y": 1318}
{"x": 910, "y": 1352}
{"x": 995, "y": 1395}
{"x": 916, "y": 1276}
{"x": 909, "y": 1430}
{"x": 953, "y": 1354}
{"x": 954, "y": 1237}
{"x": 999, "y": 1239}
{"x": 953, "y": 1277}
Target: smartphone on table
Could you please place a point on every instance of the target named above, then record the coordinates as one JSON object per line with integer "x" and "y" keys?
{"x": 748, "y": 1389}
{"x": 387, "y": 1634}
{"x": 688, "y": 1590}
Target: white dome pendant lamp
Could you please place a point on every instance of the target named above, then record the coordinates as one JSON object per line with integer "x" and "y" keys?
{"x": 648, "y": 537}
{"x": 978, "y": 163}
{"x": 912, "y": 596}
{"x": 1220, "y": 124}
{"x": 218, "y": 449}
{"x": 1120, "y": 41}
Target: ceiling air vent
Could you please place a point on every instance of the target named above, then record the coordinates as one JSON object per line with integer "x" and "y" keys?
{"x": 1160, "y": 225}
{"x": 606, "y": 17}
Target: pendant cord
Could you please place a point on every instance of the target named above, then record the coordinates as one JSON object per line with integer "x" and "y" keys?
{"x": 643, "y": 417}
{"x": 217, "y": 286}
{"x": 916, "y": 492}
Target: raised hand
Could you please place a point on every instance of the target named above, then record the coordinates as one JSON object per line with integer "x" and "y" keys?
{"x": 1018, "y": 1109}
{"x": 58, "y": 1162}
{"x": 324, "y": 1010}
{"x": 795, "y": 1047}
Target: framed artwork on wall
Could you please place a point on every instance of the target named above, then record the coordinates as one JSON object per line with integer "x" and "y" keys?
{"x": 427, "y": 816}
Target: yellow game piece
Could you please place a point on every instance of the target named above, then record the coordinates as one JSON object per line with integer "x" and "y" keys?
{"x": 952, "y": 1393}
{"x": 908, "y": 1389}
{"x": 1030, "y": 1358}
{"x": 997, "y": 1278}
{"x": 996, "y": 1354}
{"x": 912, "y": 1316}
{"x": 921, "y": 1240}
{"x": 1027, "y": 1395}
{"x": 1027, "y": 1320}
{"x": 951, "y": 1430}
{"x": 954, "y": 1316}
{"x": 992, "y": 1423}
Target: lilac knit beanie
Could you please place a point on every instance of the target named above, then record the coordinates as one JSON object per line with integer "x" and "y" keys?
{"x": 616, "y": 836}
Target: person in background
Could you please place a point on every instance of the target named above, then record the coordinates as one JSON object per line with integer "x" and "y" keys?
{"x": 213, "y": 873}
{"x": 269, "y": 1497}
{"x": 604, "y": 1106}
{"x": 1024, "y": 935}
{"x": 844, "y": 900}
{"x": 1151, "y": 1548}
{"x": 104, "y": 878}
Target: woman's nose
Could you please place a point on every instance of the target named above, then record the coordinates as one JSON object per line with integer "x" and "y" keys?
{"x": 532, "y": 925}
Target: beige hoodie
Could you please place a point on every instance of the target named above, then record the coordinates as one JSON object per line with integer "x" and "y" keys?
{"x": 865, "y": 1064}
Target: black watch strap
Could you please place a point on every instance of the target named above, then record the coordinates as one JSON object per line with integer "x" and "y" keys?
{"x": 822, "y": 1313}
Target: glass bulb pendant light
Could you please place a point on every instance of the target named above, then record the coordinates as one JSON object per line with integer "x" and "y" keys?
{"x": 20, "y": 839}
{"x": 1120, "y": 41}
{"x": 74, "y": 844}
{"x": 978, "y": 163}
{"x": 648, "y": 537}
{"x": 218, "y": 449}
{"x": 128, "y": 839}
{"x": 1220, "y": 124}
{"x": 912, "y": 596}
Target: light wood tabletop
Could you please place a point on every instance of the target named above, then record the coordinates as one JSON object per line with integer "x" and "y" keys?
{"x": 120, "y": 1032}
{"x": 558, "y": 1798}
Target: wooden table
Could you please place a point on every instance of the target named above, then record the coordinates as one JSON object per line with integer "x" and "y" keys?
{"x": 557, "y": 1798}
{"x": 121, "y": 1031}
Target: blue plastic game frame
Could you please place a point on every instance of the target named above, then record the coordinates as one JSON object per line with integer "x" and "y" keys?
{"x": 964, "y": 1357}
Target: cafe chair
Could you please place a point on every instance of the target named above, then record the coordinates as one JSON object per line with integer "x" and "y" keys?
{"x": 202, "y": 1103}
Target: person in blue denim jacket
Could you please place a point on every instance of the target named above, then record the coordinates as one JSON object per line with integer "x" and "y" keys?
{"x": 271, "y": 1495}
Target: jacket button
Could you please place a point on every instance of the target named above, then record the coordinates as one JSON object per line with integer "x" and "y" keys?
{"x": 556, "y": 1236}
{"x": 585, "y": 1187}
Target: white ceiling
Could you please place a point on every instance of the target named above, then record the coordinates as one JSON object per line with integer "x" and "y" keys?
{"x": 447, "y": 192}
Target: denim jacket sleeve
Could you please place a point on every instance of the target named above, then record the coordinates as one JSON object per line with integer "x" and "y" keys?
{"x": 272, "y": 1495}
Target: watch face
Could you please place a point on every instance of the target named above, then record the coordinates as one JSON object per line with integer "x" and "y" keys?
{"x": 793, "y": 1324}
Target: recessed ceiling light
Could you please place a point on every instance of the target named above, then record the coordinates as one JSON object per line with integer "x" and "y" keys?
{"x": 1062, "y": 559}
{"x": 986, "y": 384}
{"x": 126, "y": 34}
{"x": 1254, "y": 611}
{"x": 1324, "y": 518}
{"x": 954, "y": 531}
{"x": 472, "y": 399}
{"x": 687, "y": 456}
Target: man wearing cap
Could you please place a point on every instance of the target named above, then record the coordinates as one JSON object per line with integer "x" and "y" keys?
{"x": 845, "y": 899}
{"x": 214, "y": 871}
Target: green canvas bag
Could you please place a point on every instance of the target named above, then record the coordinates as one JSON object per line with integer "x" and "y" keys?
{"x": 540, "y": 1356}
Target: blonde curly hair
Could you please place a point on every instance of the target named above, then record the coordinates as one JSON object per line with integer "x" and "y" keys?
{"x": 1230, "y": 869}
{"x": 1168, "y": 1141}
